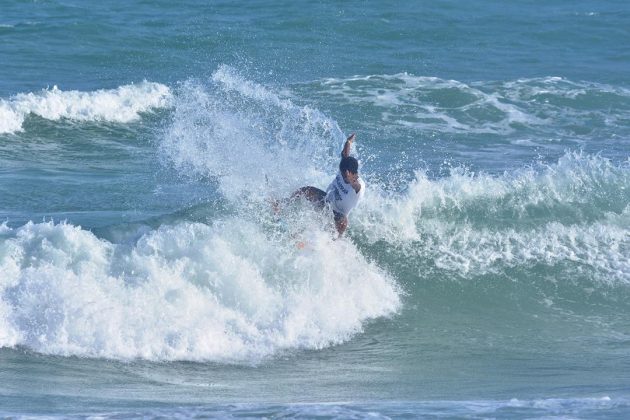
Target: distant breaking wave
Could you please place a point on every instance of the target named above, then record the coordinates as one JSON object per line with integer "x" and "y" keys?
{"x": 121, "y": 105}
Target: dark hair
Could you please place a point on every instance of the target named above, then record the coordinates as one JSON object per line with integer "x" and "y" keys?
{"x": 349, "y": 163}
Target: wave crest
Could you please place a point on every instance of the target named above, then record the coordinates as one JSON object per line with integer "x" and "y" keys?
{"x": 121, "y": 105}
{"x": 574, "y": 211}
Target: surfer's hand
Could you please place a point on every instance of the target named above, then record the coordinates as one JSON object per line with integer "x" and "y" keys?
{"x": 351, "y": 138}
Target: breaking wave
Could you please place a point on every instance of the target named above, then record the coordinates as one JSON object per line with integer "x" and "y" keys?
{"x": 121, "y": 105}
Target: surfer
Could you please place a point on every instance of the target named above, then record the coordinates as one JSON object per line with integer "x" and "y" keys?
{"x": 343, "y": 193}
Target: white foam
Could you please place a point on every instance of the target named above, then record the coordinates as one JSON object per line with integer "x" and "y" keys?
{"x": 10, "y": 120}
{"x": 528, "y": 88}
{"x": 243, "y": 133}
{"x": 189, "y": 292}
{"x": 455, "y": 221}
{"x": 121, "y": 105}
{"x": 478, "y": 251}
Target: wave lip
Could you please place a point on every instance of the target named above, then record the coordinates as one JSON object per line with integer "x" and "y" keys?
{"x": 121, "y": 105}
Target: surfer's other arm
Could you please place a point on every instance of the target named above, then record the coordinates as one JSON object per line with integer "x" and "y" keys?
{"x": 341, "y": 223}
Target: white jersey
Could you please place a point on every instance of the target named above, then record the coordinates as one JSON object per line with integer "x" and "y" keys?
{"x": 341, "y": 196}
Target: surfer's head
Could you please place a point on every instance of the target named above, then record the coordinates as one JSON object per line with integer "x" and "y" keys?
{"x": 349, "y": 168}
{"x": 349, "y": 163}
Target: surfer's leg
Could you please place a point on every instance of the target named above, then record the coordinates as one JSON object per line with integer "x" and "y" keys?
{"x": 312, "y": 194}
{"x": 341, "y": 222}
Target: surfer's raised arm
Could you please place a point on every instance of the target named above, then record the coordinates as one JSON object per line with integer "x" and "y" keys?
{"x": 347, "y": 145}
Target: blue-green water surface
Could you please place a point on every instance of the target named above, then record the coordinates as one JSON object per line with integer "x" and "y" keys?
{"x": 144, "y": 272}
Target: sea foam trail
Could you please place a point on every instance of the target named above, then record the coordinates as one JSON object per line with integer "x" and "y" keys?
{"x": 121, "y": 105}
{"x": 223, "y": 292}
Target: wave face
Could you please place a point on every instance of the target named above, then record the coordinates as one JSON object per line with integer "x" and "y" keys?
{"x": 121, "y": 105}
{"x": 229, "y": 281}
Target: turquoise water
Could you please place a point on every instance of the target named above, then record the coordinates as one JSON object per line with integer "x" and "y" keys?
{"x": 486, "y": 274}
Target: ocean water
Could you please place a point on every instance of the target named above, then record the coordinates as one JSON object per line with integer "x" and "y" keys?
{"x": 143, "y": 273}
